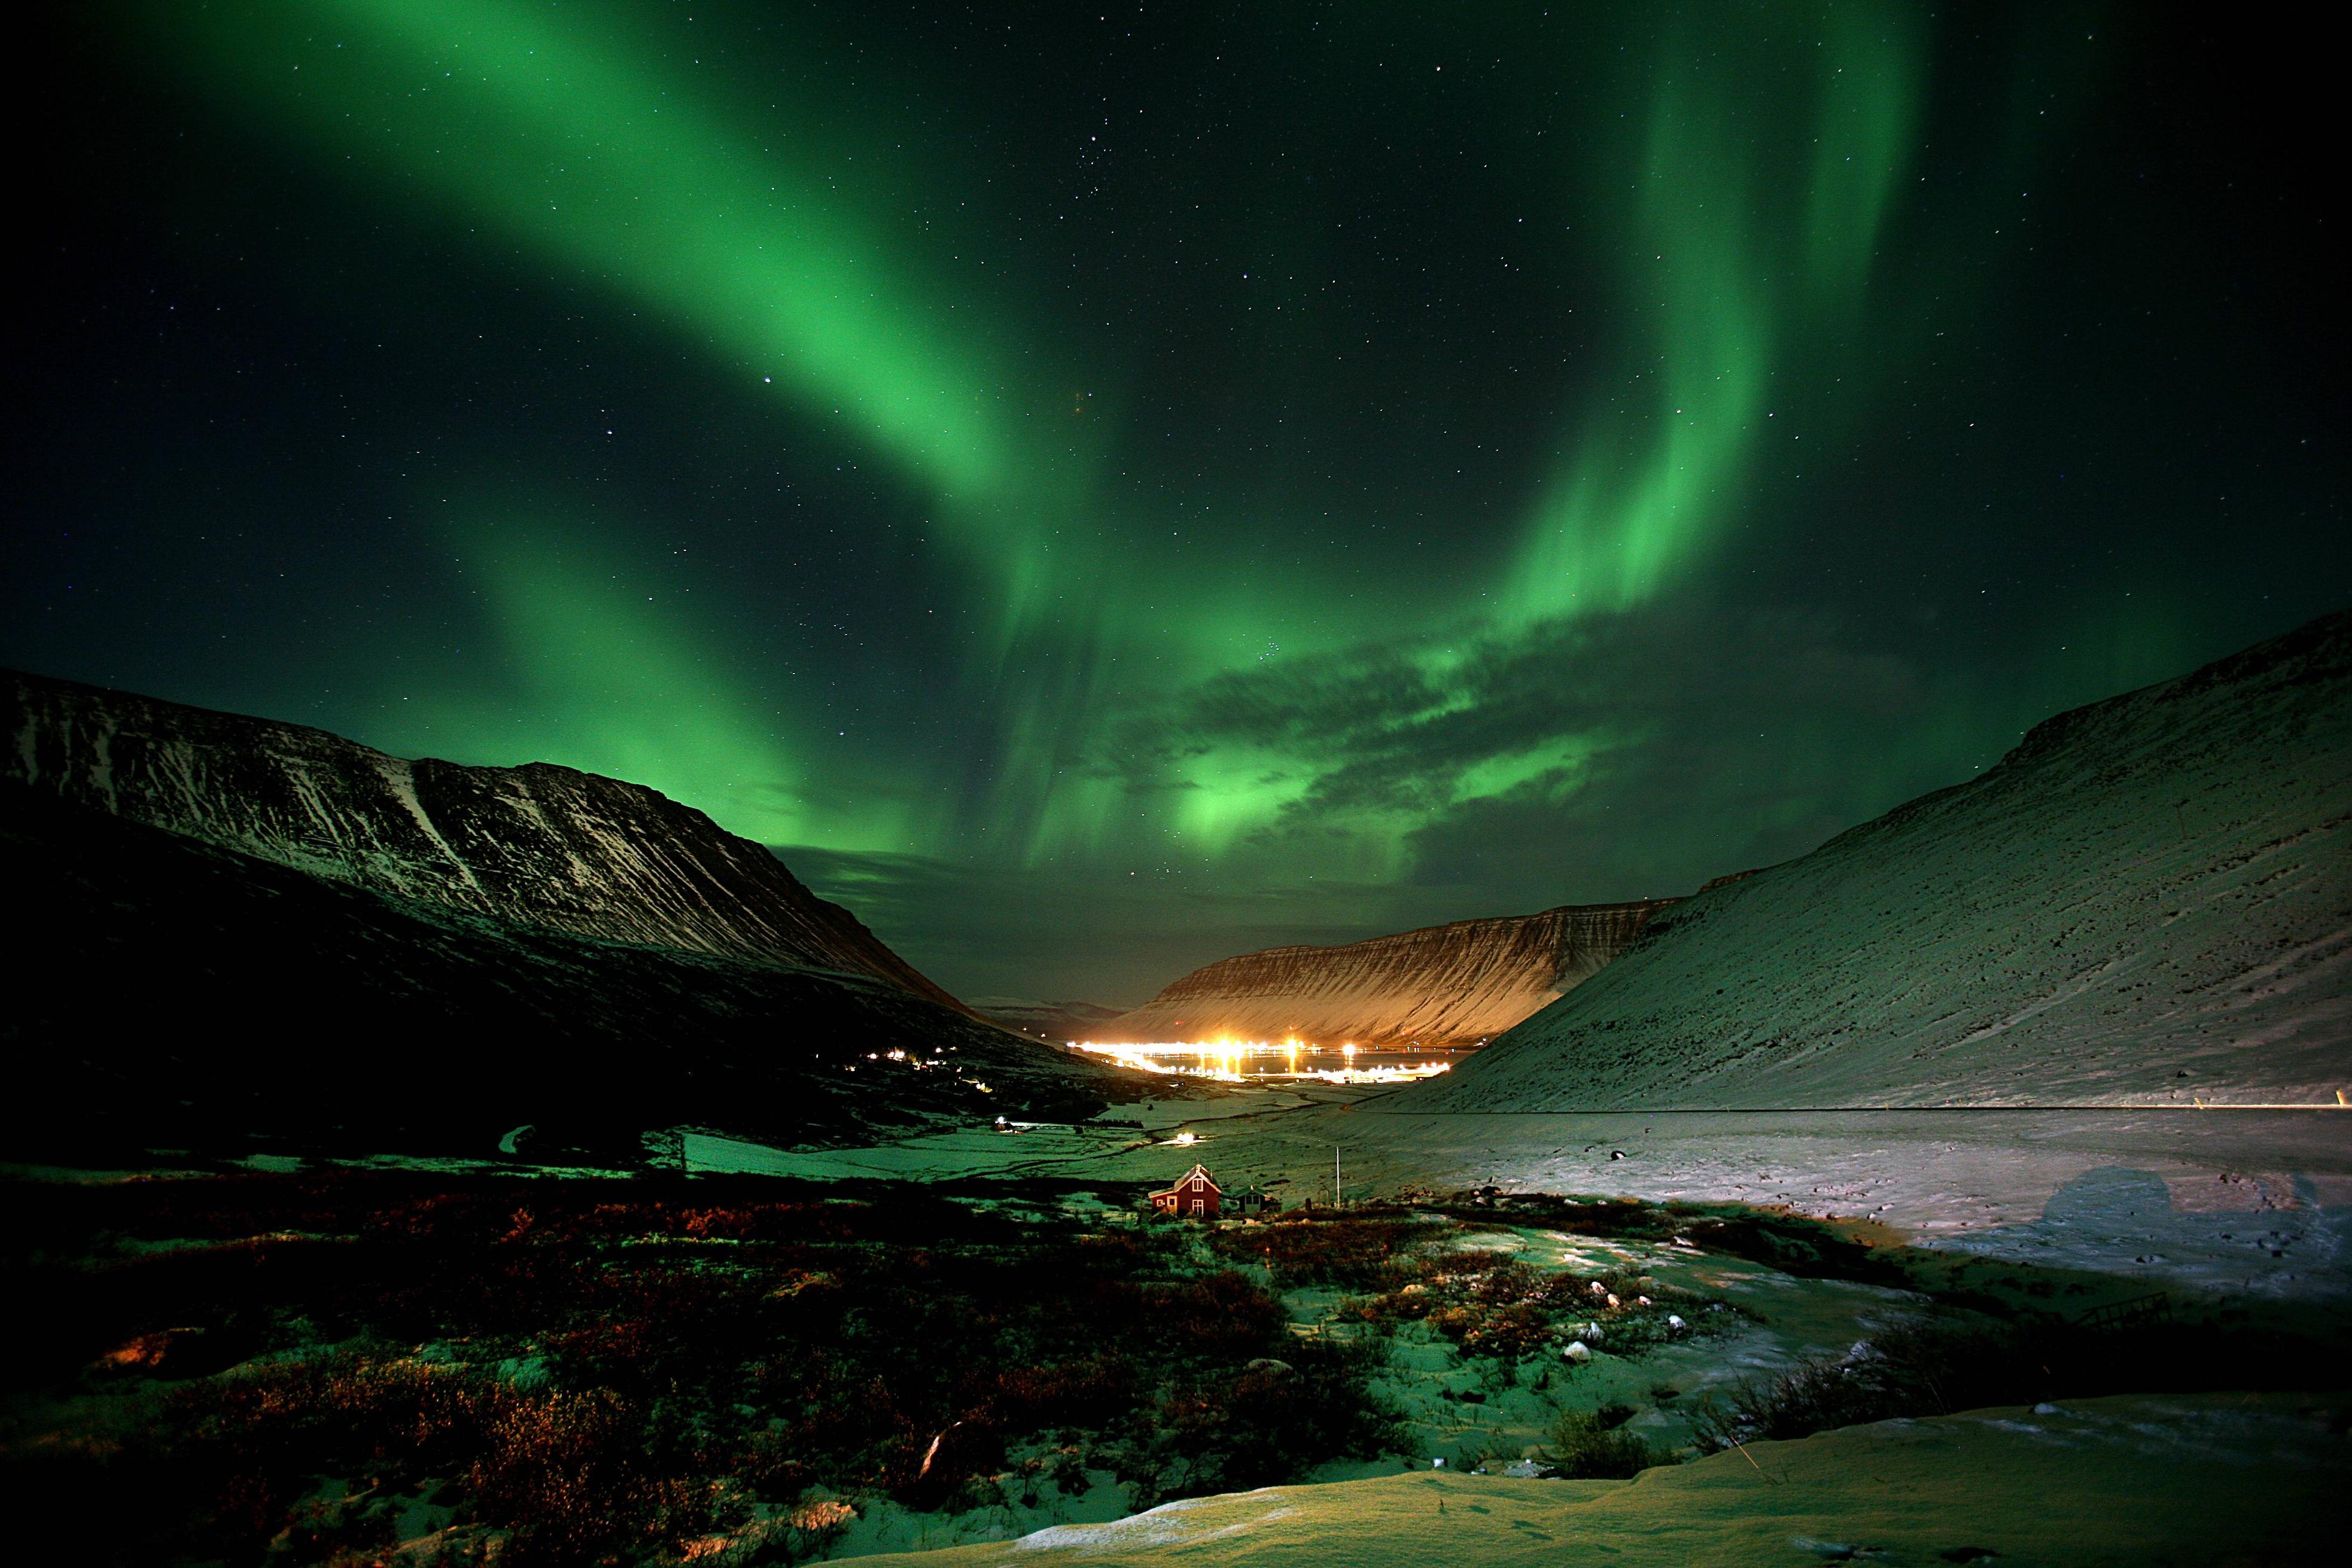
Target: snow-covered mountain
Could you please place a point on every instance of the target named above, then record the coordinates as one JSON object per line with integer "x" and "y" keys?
{"x": 538, "y": 845}
{"x": 1445, "y": 985}
{"x": 2148, "y": 900}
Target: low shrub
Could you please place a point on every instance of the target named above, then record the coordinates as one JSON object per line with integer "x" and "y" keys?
{"x": 1595, "y": 1446}
{"x": 1259, "y": 1426}
{"x": 595, "y": 1370}
{"x": 1937, "y": 1364}
{"x": 1492, "y": 1305}
{"x": 1306, "y": 1249}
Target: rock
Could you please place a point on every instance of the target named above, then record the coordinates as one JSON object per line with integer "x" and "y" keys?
{"x": 1674, "y": 1322}
{"x": 1576, "y": 1350}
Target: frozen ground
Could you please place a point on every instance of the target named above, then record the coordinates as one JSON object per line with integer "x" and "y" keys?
{"x": 1463, "y": 1410}
{"x": 2223, "y": 1201}
{"x": 2216, "y": 1479}
{"x": 2239, "y": 1202}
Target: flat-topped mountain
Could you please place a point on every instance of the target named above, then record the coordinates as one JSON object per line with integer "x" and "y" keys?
{"x": 538, "y": 845}
{"x": 2147, "y": 901}
{"x": 1456, "y": 984}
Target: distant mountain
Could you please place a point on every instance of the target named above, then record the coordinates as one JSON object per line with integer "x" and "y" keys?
{"x": 1058, "y": 1022}
{"x": 1458, "y": 984}
{"x": 2148, "y": 900}
{"x": 238, "y": 927}
{"x": 535, "y": 845}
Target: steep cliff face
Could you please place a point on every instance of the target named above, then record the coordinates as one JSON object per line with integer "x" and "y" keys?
{"x": 2148, "y": 900}
{"x": 1444, "y": 985}
{"x": 537, "y": 845}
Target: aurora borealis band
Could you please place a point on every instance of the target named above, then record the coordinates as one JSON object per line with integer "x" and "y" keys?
{"x": 1103, "y": 489}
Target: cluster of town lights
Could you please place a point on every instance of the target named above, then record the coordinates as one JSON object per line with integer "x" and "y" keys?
{"x": 1233, "y": 1061}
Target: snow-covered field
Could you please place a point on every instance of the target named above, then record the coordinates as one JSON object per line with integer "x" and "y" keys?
{"x": 2211, "y": 1478}
{"x": 2255, "y": 1203}
{"x": 2223, "y": 1201}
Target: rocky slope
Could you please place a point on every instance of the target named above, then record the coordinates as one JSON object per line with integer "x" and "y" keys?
{"x": 1458, "y": 984}
{"x": 536, "y": 845}
{"x": 2148, "y": 900}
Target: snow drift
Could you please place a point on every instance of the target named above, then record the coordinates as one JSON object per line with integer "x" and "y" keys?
{"x": 2149, "y": 900}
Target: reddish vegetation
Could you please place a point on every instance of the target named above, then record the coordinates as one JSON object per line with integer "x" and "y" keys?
{"x": 593, "y": 1370}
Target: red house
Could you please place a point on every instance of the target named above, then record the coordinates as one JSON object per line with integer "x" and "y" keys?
{"x": 1193, "y": 1197}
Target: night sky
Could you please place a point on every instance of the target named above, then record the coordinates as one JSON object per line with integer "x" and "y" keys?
{"x": 1104, "y": 488}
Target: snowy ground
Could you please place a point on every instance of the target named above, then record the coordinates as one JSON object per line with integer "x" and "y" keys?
{"x": 1456, "y": 1408}
{"x": 2242, "y": 1202}
{"x": 2237, "y": 1201}
{"x": 2213, "y": 1478}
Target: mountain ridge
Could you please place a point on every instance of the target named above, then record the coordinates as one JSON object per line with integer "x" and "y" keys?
{"x": 538, "y": 844}
{"x": 1451, "y": 983}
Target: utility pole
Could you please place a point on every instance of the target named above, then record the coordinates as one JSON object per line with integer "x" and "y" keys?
{"x": 1335, "y": 1176}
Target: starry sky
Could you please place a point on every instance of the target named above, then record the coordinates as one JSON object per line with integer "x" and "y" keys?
{"x": 1103, "y": 488}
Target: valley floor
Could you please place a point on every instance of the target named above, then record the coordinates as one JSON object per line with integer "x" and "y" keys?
{"x": 2224, "y": 1237}
{"x": 2227, "y": 1202}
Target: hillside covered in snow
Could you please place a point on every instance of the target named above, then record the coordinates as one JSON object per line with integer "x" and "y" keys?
{"x": 2147, "y": 901}
{"x": 1457, "y": 984}
{"x": 536, "y": 845}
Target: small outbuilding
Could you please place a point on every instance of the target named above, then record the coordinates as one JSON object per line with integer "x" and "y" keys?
{"x": 1254, "y": 1200}
{"x": 1194, "y": 1196}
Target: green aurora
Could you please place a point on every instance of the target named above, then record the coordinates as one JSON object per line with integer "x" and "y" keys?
{"x": 1102, "y": 492}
